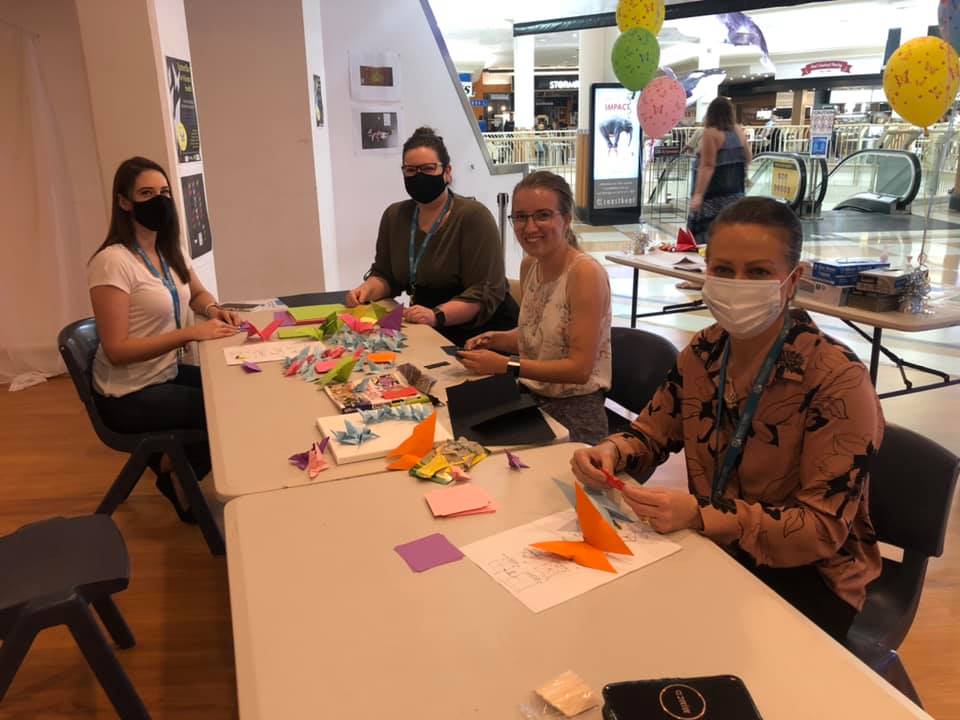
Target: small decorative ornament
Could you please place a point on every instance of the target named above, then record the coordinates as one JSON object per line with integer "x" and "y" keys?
{"x": 916, "y": 296}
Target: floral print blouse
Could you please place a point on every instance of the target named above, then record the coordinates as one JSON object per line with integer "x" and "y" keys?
{"x": 799, "y": 494}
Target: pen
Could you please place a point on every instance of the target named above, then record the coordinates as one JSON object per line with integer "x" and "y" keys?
{"x": 612, "y": 481}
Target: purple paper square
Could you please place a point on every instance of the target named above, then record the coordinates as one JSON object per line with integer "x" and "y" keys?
{"x": 285, "y": 317}
{"x": 428, "y": 552}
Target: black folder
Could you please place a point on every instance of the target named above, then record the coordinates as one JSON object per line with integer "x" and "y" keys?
{"x": 493, "y": 412}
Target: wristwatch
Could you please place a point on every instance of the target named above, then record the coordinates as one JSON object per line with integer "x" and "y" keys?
{"x": 439, "y": 318}
{"x": 513, "y": 366}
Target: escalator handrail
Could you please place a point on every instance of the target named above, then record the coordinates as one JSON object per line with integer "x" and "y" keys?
{"x": 904, "y": 201}
{"x": 801, "y": 162}
{"x": 663, "y": 173}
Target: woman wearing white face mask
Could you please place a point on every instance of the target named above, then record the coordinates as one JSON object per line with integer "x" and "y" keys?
{"x": 778, "y": 423}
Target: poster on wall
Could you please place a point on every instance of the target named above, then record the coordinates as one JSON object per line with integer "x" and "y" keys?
{"x": 377, "y": 130}
{"x": 183, "y": 104}
{"x": 375, "y": 76}
{"x": 317, "y": 101}
{"x": 199, "y": 237}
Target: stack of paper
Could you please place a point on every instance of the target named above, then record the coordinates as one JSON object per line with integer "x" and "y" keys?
{"x": 460, "y": 501}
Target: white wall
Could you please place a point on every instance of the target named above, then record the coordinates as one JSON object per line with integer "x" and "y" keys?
{"x": 249, "y": 61}
{"x": 363, "y": 185}
{"x": 64, "y": 74}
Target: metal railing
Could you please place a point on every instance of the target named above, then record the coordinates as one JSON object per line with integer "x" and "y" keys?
{"x": 555, "y": 150}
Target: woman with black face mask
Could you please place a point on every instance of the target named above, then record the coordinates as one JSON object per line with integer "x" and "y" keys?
{"x": 442, "y": 249}
{"x": 141, "y": 286}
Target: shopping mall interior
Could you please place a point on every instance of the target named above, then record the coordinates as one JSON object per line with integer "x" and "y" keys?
{"x": 280, "y": 126}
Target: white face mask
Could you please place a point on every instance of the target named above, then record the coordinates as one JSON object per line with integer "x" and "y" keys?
{"x": 744, "y": 308}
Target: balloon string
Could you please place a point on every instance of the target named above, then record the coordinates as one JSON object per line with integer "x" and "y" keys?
{"x": 934, "y": 184}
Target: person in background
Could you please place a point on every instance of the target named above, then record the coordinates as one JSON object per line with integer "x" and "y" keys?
{"x": 779, "y": 425}
{"x": 442, "y": 249}
{"x": 720, "y": 169}
{"x": 141, "y": 287}
{"x": 560, "y": 349}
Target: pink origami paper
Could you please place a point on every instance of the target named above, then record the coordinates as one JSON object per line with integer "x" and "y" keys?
{"x": 325, "y": 366}
{"x": 356, "y": 324}
{"x": 515, "y": 462}
{"x": 264, "y": 334}
{"x": 312, "y": 460}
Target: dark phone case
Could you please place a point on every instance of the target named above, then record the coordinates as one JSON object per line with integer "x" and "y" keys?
{"x": 718, "y": 697}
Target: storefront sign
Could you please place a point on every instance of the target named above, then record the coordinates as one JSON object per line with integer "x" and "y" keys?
{"x": 827, "y": 67}
{"x": 786, "y": 180}
{"x": 466, "y": 79}
{"x": 564, "y": 84}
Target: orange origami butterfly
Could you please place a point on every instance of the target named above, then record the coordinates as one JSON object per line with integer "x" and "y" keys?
{"x": 599, "y": 538}
{"x": 412, "y": 450}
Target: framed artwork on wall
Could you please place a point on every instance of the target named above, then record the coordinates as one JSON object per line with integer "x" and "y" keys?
{"x": 374, "y": 76}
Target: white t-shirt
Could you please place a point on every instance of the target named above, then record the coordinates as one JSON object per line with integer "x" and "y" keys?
{"x": 151, "y": 313}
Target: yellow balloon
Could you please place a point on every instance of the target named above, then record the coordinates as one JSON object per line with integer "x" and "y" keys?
{"x": 921, "y": 80}
{"x": 646, "y": 14}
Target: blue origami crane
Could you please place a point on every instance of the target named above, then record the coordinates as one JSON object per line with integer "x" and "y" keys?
{"x": 606, "y": 506}
{"x": 352, "y": 435}
{"x": 414, "y": 412}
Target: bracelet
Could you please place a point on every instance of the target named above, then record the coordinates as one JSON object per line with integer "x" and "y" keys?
{"x": 208, "y": 306}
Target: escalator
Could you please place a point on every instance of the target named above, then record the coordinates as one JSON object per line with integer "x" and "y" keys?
{"x": 873, "y": 181}
{"x": 787, "y": 177}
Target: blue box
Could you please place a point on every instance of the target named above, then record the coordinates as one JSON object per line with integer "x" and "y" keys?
{"x": 845, "y": 271}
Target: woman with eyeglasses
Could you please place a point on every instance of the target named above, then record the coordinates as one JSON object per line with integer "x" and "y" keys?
{"x": 778, "y": 422}
{"x": 560, "y": 349}
{"x": 141, "y": 287}
{"x": 442, "y": 249}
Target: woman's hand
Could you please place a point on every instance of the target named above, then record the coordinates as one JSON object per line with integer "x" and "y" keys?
{"x": 358, "y": 296}
{"x": 665, "y": 510}
{"x": 696, "y": 202}
{"x": 227, "y": 316}
{"x": 485, "y": 341}
{"x": 212, "y": 330}
{"x": 588, "y": 464}
{"x": 483, "y": 362}
{"x": 420, "y": 315}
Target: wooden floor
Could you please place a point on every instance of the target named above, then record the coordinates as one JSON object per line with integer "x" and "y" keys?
{"x": 51, "y": 463}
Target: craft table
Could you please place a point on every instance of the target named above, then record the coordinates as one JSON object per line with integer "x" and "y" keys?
{"x": 945, "y": 315}
{"x": 329, "y": 622}
{"x": 256, "y": 421}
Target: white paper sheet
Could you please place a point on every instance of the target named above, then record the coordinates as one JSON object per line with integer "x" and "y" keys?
{"x": 262, "y": 352}
{"x": 678, "y": 261}
{"x": 540, "y": 580}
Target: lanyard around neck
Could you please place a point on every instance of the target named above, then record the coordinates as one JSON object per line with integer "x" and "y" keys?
{"x": 722, "y": 474}
{"x": 415, "y": 261}
{"x": 166, "y": 279}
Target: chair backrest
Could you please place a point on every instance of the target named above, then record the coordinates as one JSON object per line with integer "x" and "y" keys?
{"x": 78, "y": 343}
{"x": 912, "y": 482}
{"x": 641, "y": 361}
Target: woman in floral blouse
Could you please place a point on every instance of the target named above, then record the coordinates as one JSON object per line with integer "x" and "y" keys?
{"x": 778, "y": 471}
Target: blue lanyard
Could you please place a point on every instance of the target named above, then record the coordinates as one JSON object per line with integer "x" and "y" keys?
{"x": 415, "y": 262}
{"x": 166, "y": 279}
{"x": 735, "y": 449}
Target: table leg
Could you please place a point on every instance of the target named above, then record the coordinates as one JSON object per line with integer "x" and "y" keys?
{"x": 875, "y": 354}
{"x": 633, "y": 301}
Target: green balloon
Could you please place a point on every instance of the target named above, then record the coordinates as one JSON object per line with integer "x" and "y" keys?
{"x": 636, "y": 57}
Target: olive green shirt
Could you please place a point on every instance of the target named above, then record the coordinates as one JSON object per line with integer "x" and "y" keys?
{"x": 463, "y": 260}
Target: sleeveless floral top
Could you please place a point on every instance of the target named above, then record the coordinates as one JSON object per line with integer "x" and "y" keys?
{"x": 544, "y": 332}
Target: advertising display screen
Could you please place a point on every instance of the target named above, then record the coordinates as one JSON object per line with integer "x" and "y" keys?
{"x": 617, "y": 158}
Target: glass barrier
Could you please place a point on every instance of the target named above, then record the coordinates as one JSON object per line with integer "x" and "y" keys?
{"x": 889, "y": 173}
{"x": 779, "y": 175}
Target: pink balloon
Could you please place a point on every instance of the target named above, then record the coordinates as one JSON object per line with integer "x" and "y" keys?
{"x": 662, "y": 105}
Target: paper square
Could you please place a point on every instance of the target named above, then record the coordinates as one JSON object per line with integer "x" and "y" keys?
{"x": 459, "y": 499}
{"x": 428, "y": 552}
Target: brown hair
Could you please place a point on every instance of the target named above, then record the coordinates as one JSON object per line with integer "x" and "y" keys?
{"x": 121, "y": 230}
{"x": 428, "y": 138}
{"x": 768, "y": 213}
{"x": 720, "y": 115}
{"x": 547, "y": 180}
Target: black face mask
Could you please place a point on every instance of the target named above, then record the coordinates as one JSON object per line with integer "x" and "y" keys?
{"x": 425, "y": 188}
{"x": 155, "y": 213}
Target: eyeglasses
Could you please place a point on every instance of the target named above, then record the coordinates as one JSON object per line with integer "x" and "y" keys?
{"x": 540, "y": 217}
{"x": 425, "y": 169}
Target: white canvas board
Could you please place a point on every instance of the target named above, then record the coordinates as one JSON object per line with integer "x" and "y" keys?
{"x": 390, "y": 434}
{"x": 262, "y": 352}
{"x": 540, "y": 580}
{"x": 374, "y": 76}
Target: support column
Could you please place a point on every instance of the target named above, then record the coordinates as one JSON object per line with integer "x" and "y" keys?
{"x": 523, "y": 64}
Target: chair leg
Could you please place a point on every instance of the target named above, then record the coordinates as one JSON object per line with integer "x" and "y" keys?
{"x": 104, "y": 663}
{"x": 895, "y": 673}
{"x": 113, "y": 620}
{"x": 12, "y": 652}
{"x": 125, "y": 483}
{"x": 198, "y": 503}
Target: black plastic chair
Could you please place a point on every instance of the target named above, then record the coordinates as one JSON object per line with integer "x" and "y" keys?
{"x": 78, "y": 345}
{"x": 52, "y": 572}
{"x": 912, "y": 482}
{"x": 641, "y": 361}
